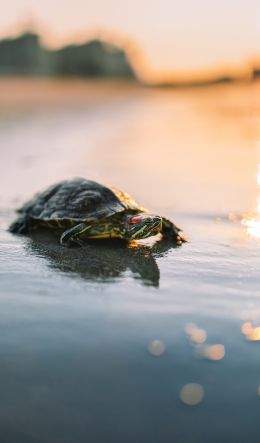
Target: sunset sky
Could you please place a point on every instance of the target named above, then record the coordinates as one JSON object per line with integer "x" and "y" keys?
{"x": 174, "y": 36}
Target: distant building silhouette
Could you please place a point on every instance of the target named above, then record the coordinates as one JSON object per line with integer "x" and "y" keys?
{"x": 25, "y": 55}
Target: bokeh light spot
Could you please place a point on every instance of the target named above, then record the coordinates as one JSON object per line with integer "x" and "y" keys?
{"x": 197, "y": 335}
{"x": 216, "y": 352}
{"x": 247, "y": 328}
{"x": 211, "y": 352}
{"x": 156, "y": 348}
{"x": 192, "y": 394}
{"x": 254, "y": 335}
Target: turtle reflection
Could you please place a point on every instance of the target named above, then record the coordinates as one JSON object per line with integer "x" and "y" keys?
{"x": 103, "y": 260}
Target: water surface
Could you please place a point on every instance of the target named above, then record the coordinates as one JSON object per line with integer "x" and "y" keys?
{"x": 98, "y": 343}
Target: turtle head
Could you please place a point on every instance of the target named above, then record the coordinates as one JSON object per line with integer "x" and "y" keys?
{"x": 142, "y": 226}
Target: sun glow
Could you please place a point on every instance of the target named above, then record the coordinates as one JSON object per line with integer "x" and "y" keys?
{"x": 252, "y": 224}
{"x": 252, "y": 221}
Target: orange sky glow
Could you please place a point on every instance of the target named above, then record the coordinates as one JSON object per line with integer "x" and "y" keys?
{"x": 167, "y": 38}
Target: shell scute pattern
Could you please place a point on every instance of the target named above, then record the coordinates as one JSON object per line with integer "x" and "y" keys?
{"x": 77, "y": 200}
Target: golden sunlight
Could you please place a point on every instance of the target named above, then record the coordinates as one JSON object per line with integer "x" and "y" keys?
{"x": 252, "y": 224}
{"x": 252, "y": 221}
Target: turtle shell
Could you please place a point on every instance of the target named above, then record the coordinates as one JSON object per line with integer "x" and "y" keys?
{"x": 78, "y": 200}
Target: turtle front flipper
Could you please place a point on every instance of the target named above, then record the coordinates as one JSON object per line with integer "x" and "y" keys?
{"x": 170, "y": 230}
{"x": 72, "y": 235}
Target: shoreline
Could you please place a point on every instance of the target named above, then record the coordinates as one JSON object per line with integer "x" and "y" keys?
{"x": 30, "y": 91}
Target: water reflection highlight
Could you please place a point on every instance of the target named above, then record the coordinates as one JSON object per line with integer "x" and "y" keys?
{"x": 252, "y": 221}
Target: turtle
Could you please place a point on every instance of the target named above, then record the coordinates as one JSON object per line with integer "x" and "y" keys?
{"x": 82, "y": 209}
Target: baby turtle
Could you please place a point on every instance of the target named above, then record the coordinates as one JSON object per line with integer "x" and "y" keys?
{"x": 84, "y": 209}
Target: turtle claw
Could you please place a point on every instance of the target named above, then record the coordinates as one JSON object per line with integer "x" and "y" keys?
{"x": 172, "y": 232}
{"x": 182, "y": 239}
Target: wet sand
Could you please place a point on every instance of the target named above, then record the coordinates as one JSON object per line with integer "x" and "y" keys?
{"x": 113, "y": 343}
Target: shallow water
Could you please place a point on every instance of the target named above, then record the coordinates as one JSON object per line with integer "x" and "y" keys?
{"x": 97, "y": 343}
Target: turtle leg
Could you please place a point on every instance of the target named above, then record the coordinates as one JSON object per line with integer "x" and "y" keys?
{"x": 170, "y": 230}
{"x": 72, "y": 235}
